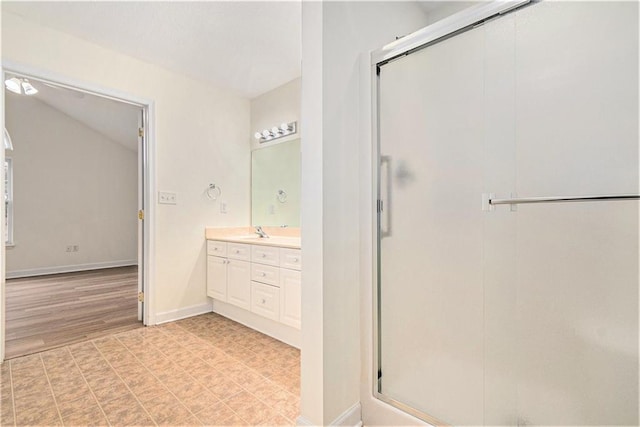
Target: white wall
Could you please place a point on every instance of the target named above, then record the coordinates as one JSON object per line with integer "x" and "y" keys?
{"x": 71, "y": 186}
{"x": 335, "y": 185}
{"x": 200, "y": 138}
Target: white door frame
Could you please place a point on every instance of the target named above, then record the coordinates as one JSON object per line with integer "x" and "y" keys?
{"x": 148, "y": 165}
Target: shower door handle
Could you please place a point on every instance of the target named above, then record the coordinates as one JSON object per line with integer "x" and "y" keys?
{"x": 384, "y": 201}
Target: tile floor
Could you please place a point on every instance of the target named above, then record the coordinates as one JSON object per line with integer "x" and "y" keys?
{"x": 205, "y": 370}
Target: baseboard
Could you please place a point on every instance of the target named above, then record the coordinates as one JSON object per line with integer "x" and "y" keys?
{"x": 302, "y": 421}
{"x": 350, "y": 417}
{"x": 277, "y": 330}
{"x": 182, "y": 313}
{"x": 68, "y": 268}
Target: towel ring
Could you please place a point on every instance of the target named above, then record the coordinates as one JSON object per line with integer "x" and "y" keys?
{"x": 213, "y": 191}
{"x": 282, "y": 196}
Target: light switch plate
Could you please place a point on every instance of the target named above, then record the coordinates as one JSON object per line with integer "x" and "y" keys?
{"x": 166, "y": 198}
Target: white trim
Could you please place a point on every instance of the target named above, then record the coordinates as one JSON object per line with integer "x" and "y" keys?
{"x": 277, "y": 330}
{"x": 148, "y": 105}
{"x": 31, "y": 272}
{"x": 443, "y": 28}
{"x": 302, "y": 421}
{"x": 350, "y": 417}
{"x": 182, "y": 313}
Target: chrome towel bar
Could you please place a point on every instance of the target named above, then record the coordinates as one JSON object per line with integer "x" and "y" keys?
{"x": 523, "y": 200}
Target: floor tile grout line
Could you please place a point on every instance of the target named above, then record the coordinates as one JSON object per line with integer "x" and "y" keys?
{"x": 87, "y": 383}
{"x": 239, "y": 361}
{"x": 186, "y": 374}
{"x": 55, "y": 401}
{"x": 13, "y": 395}
{"x": 153, "y": 375}
{"x": 124, "y": 382}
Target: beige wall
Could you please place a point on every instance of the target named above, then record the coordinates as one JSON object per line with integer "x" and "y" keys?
{"x": 200, "y": 138}
{"x": 280, "y": 105}
{"x": 71, "y": 186}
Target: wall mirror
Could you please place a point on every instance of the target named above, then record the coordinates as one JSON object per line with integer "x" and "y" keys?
{"x": 275, "y": 185}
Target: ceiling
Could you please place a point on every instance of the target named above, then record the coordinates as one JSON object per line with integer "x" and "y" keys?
{"x": 249, "y": 47}
{"x": 116, "y": 120}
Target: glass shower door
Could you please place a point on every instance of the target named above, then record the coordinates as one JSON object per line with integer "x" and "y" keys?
{"x": 512, "y": 314}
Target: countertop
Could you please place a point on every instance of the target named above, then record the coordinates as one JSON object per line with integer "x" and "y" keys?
{"x": 280, "y": 237}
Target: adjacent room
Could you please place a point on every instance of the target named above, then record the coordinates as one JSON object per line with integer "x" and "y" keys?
{"x": 72, "y": 226}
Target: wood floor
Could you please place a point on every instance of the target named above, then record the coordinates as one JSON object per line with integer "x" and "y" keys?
{"x": 51, "y": 311}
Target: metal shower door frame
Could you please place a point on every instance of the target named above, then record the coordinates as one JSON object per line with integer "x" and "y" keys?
{"x": 430, "y": 35}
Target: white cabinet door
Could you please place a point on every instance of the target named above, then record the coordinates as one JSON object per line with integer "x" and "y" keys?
{"x": 290, "y": 297}
{"x": 239, "y": 283}
{"x": 217, "y": 278}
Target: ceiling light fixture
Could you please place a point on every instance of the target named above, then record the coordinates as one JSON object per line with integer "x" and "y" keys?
{"x": 285, "y": 129}
{"x": 20, "y": 86}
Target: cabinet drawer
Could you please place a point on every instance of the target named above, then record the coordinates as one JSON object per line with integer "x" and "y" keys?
{"x": 265, "y": 274}
{"x": 239, "y": 251}
{"x": 265, "y": 300}
{"x": 265, "y": 255}
{"x": 291, "y": 258}
{"x": 216, "y": 248}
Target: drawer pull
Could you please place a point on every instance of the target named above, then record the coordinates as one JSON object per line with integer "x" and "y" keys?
{"x": 215, "y": 249}
{"x": 264, "y": 274}
{"x": 264, "y": 255}
{"x": 264, "y": 301}
{"x": 237, "y": 251}
{"x": 295, "y": 260}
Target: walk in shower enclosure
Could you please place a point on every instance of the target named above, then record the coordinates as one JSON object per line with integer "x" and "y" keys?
{"x": 506, "y": 172}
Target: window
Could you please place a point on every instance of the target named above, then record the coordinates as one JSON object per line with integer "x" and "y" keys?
{"x": 8, "y": 201}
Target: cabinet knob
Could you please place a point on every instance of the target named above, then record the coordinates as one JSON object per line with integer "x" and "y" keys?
{"x": 215, "y": 249}
{"x": 264, "y": 301}
{"x": 237, "y": 251}
{"x": 295, "y": 260}
{"x": 264, "y": 274}
{"x": 264, "y": 255}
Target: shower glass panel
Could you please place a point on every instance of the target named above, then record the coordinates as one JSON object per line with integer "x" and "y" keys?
{"x": 512, "y": 314}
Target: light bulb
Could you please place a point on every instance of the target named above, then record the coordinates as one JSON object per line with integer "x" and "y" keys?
{"x": 28, "y": 88}
{"x": 275, "y": 131}
{"x": 284, "y": 127}
{"x": 13, "y": 84}
{"x": 266, "y": 133}
{"x": 257, "y": 135}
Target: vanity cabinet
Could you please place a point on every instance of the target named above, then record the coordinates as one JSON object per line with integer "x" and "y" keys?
{"x": 263, "y": 279}
{"x": 229, "y": 273}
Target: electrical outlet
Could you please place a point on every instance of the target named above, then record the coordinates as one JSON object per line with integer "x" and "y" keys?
{"x": 70, "y": 248}
{"x": 76, "y": 248}
{"x": 167, "y": 198}
{"x": 223, "y": 207}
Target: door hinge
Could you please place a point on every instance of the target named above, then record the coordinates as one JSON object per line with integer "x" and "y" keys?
{"x": 140, "y": 296}
{"x": 140, "y": 132}
{"x": 140, "y": 214}
{"x": 379, "y": 206}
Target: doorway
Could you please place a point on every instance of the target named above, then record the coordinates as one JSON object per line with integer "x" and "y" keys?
{"x": 75, "y": 249}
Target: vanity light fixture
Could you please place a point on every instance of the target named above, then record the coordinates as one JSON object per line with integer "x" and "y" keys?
{"x": 20, "y": 86}
{"x": 285, "y": 129}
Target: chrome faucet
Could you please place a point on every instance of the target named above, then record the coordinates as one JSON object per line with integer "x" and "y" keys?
{"x": 260, "y": 232}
